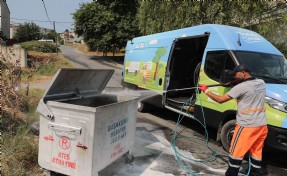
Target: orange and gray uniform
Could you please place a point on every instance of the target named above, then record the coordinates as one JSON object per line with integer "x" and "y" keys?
{"x": 251, "y": 126}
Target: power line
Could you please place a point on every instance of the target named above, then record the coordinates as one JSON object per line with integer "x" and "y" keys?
{"x": 42, "y": 21}
{"x": 46, "y": 12}
{"x": 22, "y": 19}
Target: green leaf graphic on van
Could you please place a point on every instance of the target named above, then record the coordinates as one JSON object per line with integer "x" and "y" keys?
{"x": 158, "y": 54}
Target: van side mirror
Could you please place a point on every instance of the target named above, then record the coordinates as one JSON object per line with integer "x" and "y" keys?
{"x": 226, "y": 77}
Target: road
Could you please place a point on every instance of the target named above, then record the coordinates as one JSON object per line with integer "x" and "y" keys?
{"x": 80, "y": 60}
{"x": 153, "y": 152}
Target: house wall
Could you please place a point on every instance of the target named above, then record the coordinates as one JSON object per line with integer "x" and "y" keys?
{"x": 5, "y": 19}
{"x": 14, "y": 54}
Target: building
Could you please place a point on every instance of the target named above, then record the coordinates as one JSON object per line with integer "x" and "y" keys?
{"x": 13, "y": 29}
{"x": 4, "y": 19}
{"x": 45, "y": 30}
{"x": 71, "y": 37}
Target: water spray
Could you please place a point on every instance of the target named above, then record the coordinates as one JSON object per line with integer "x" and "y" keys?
{"x": 143, "y": 94}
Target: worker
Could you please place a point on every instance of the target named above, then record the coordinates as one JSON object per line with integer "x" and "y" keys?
{"x": 251, "y": 122}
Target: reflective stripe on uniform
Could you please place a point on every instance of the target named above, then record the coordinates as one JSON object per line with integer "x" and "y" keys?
{"x": 253, "y": 165}
{"x": 233, "y": 145}
{"x": 253, "y": 110}
{"x": 235, "y": 166}
{"x": 255, "y": 162}
{"x": 234, "y": 162}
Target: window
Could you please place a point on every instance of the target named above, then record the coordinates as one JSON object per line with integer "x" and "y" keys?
{"x": 263, "y": 64}
{"x": 216, "y": 62}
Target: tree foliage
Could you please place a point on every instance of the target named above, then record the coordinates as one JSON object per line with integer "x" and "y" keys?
{"x": 51, "y": 35}
{"x": 106, "y": 25}
{"x": 267, "y": 18}
{"x": 27, "y": 32}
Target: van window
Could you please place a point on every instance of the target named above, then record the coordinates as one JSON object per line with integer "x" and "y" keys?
{"x": 263, "y": 64}
{"x": 216, "y": 62}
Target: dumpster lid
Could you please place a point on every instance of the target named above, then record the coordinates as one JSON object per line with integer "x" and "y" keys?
{"x": 73, "y": 83}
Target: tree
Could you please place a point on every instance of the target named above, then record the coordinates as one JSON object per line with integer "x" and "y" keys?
{"x": 267, "y": 18}
{"x": 51, "y": 35}
{"x": 27, "y": 32}
{"x": 106, "y": 25}
{"x": 161, "y": 16}
{"x": 158, "y": 54}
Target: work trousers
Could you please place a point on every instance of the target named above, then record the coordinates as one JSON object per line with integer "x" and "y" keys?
{"x": 246, "y": 139}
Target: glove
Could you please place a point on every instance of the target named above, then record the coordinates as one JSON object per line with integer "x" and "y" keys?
{"x": 203, "y": 88}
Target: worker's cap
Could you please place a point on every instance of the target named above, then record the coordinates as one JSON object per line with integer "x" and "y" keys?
{"x": 239, "y": 68}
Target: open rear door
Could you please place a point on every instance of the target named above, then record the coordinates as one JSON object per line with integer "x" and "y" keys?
{"x": 183, "y": 71}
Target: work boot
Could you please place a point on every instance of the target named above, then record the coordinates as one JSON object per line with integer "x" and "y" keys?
{"x": 231, "y": 171}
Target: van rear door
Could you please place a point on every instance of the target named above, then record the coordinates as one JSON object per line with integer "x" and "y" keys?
{"x": 183, "y": 71}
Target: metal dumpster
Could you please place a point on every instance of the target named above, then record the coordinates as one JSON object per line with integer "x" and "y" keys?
{"x": 82, "y": 130}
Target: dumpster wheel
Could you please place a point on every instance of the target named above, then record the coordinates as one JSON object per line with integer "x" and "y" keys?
{"x": 51, "y": 173}
{"x": 142, "y": 106}
{"x": 129, "y": 158}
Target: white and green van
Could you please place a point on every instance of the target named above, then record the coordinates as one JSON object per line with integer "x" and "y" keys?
{"x": 187, "y": 57}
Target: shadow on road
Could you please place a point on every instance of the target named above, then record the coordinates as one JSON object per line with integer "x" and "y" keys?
{"x": 275, "y": 158}
{"x": 111, "y": 59}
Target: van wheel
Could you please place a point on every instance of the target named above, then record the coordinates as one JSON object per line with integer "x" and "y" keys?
{"x": 227, "y": 133}
{"x": 142, "y": 107}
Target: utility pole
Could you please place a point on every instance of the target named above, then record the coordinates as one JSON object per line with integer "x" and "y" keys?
{"x": 55, "y": 37}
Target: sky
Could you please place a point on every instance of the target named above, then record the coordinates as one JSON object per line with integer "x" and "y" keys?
{"x": 59, "y": 11}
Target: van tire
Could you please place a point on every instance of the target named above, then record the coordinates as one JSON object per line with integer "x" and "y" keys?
{"x": 227, "y": 133}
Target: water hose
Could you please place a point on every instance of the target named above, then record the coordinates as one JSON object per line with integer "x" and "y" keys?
{"x": 175, "y": 136}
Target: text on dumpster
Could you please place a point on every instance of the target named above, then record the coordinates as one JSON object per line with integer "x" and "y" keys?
{"x": 117, "y": 130}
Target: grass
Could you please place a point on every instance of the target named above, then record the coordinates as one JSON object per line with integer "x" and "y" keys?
{"x": 20, "y": 149}
{"x": 20, "y": 153}
{"x": 46, "y": 65}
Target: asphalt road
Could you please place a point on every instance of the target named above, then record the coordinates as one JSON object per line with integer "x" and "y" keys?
{"x": 154, "y": 154}
{"x": 80, "y": 60}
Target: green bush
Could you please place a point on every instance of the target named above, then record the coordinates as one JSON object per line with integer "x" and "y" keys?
{"x": 51, "y": 69}
{"x": 44, "y": 47}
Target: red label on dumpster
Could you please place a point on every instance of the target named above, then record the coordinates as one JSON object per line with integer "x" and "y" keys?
{"x": 64, "y": 143}
{"x": 64, "y": 157}
{"x": 82, "y": 146}
{"x": 65, "y": 163}
{"x": 49, "y": 138}
{"x": 117, "y": 150}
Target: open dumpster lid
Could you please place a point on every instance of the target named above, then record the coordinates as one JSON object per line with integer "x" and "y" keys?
{"x": 73, "y": 83}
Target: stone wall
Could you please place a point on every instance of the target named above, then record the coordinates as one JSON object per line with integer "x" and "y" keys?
{"x": 13, "y": 54}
